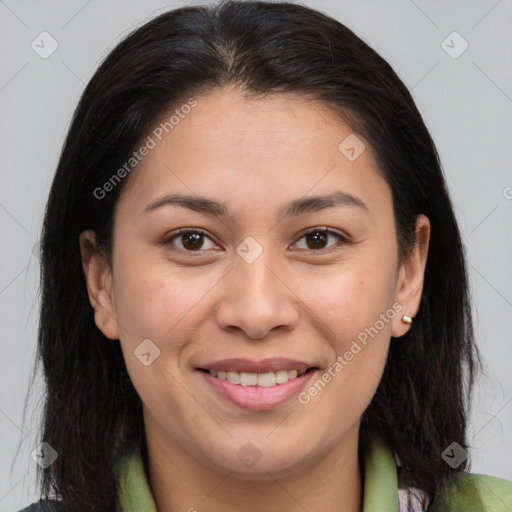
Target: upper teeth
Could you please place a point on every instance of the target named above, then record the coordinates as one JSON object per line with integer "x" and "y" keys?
{"x": 258, "y": 379}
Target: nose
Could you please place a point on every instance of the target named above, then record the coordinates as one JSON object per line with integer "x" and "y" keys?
{"x": 258, "y": 297}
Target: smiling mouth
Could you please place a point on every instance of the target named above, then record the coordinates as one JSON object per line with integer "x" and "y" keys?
{"x": 267, "y": 379}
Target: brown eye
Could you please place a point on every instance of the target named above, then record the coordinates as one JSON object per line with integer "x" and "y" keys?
{"x": 190, "y": 240}
{"x": 317, "y": 239}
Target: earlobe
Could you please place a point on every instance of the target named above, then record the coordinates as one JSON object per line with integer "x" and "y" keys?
{"x": 98, "y": 279}
{"x": 411, "y": 277}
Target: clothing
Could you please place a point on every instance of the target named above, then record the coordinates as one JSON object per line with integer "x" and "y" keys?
{"x": 470, "y": 492}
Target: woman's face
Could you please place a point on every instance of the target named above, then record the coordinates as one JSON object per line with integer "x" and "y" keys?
{"x": 250, "y": 292}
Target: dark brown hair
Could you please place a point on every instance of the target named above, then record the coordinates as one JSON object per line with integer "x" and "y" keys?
{"x": 92, "y": 412}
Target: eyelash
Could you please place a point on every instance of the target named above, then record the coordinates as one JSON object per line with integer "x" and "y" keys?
{"x": 187, "y": 231}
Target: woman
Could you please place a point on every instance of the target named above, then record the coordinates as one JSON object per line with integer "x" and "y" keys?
{"x": 254, "y": 291}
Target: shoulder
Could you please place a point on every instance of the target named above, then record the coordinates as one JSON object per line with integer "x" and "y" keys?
{"x": 468, "y": 489}
{"x": 45, "y": 506}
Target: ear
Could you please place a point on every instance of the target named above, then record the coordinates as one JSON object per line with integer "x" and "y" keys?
{"x": 411, "y": 276}
{"x": 98, "y": 277}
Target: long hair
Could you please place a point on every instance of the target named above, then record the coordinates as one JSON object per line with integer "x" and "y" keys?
{"x": 92, "y": 412}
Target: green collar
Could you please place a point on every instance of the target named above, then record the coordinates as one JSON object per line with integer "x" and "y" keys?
{"x": 380, "y": 491}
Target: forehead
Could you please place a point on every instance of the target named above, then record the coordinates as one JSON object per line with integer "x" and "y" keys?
{"x": 255, "y": 151}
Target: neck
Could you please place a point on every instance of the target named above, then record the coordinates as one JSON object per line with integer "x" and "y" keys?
{"x": 180, "y": 482}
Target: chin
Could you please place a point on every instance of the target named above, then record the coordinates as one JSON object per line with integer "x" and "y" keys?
{"x": 254, "y": 464}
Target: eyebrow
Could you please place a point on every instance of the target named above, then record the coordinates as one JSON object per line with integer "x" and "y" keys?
{"x": 292, "y": 209}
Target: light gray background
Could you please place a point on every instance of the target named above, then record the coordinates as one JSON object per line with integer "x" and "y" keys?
{"x": 466, "y": 103}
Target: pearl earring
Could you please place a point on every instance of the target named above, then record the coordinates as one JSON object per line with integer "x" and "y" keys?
{"x": 406, "y": 319}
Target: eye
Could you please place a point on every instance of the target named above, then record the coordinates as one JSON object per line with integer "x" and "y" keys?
{"x": 316, "y": 238}
{"x": 193, "y": 239}
{"x": 190, "y": 239}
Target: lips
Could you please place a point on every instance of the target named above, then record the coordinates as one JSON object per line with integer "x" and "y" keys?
{"x": 264, "y": 366}
{"x": 257, "y": 385}
{"x": 266, "y": 379}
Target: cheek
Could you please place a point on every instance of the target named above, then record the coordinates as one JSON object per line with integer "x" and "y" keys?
{"x": 146, "y": 295}
{"x": 151, "y": 304}
{"x": 350, "y": 299}
{"x": 353, "y": 308}
{"x": 140, "y": 300}
{"x": 160, "y": 301}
